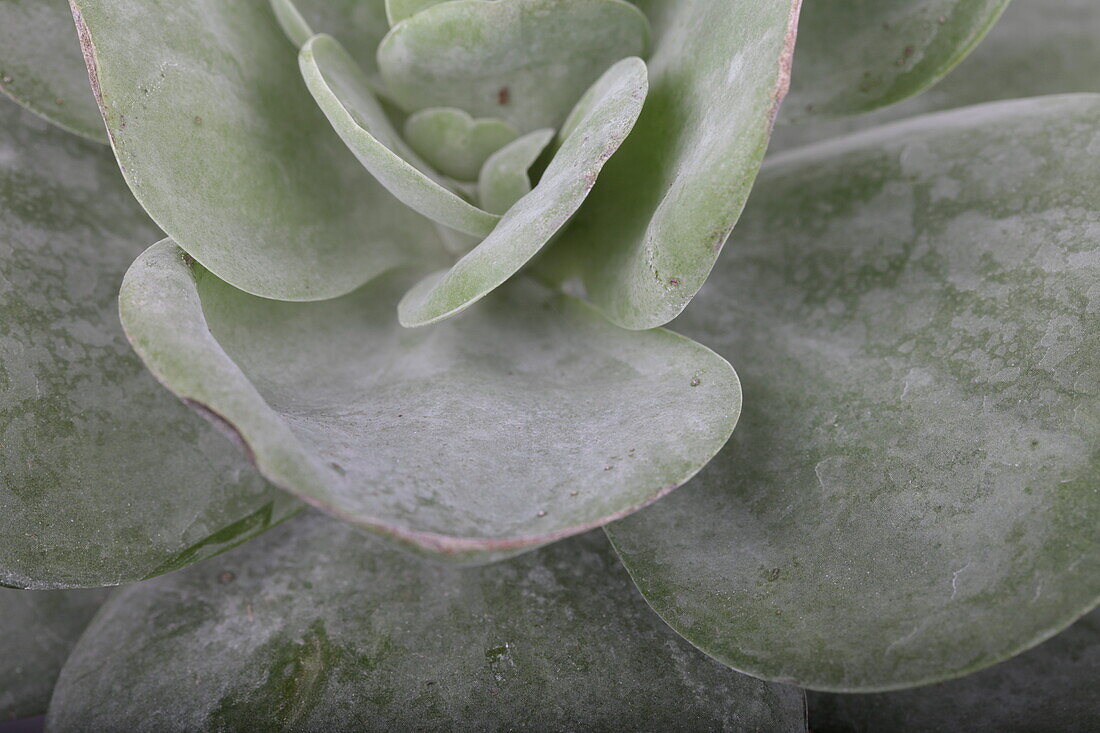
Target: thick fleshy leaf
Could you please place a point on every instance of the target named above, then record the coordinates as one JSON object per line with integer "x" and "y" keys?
{"x": 524, "y": 61}
{"x": 359, "y": 26}
{"x": 224, "y": 147}
{"x": 603, "y": 118}
{"x": 38, "y": 629}
{"x": 1035, "y": 48}
{"x": 343, "y": 94}
{"x": 912, "y": 493}
{"x": 858, "y": 55}
{"x": 41, "y": 66}
{"x": 528, "y": 420}
{"x": 1049, "y": 688}
{"x": 104, "y": 478}
{"x": 503, "y": 179}
{"x": 658, "y": 217}
{"x": 398, "y": 10}
{"x": 319, "y": 628}
{"x": 455, "y": 143}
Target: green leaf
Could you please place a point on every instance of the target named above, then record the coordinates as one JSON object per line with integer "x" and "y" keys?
{"x": 528, "y": 420}
{"x": 858, "y": 55}
{"x": 603, "y": 119}
{"x": 359, "y": 26}
{"x": 104, "y": 477}
{"x": 911, "y": 495}
{"x": 341, "y": 90}
{"x": 649, "y": 234}
{"x": 398, "y": 10}
{"x": 1049, "y": 688}
{"x": 224, "y": 147}
{"x": 38, "y": 629}
{"x": 1035, "y": 48}
{"x": 503, "y": 179}
{"x": 454, "y": 142}
{"x": 41, "y": 66}
{"x": 318, "y": 628}
{"x": 524, "y": 61}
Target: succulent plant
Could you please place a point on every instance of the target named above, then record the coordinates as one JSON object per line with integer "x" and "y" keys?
{"x": 456, "y": 279}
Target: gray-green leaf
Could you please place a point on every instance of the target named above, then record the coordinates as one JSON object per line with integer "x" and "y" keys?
{"x": 911, "y": 495}
{"x": 104, "y": 478}
{"x": 504, "y": 179}
{"x": 455, "y": 143}
{"x": 318, "y": 628}
{"x": 527, "y": 420}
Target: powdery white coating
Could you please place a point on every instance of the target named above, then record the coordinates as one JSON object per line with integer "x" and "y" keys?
{"x": 454, "y": 142}
{"x": 317, "y": 627}
{"x": 504, "y": 179}
{"x": 912, "y": 492}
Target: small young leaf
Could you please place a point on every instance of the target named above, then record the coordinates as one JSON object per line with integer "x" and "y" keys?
{"x": 455, "y": 143}
{"x": 318, "y": 628}
{"x": 503, "y": 179}
{"x": 912, "y": 494}
{"x": 341, "y": 91}
{"x": 610, "y": 109}
{"x": 524, "y": 61}
{"x": 526, "y": 421}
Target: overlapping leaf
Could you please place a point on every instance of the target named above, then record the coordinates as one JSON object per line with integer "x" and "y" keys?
{"x": 912, "y": 493}
{"x": 319, "y": 628}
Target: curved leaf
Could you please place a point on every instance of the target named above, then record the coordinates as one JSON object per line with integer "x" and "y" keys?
{"x": 503, "y": 179}
{"x": 1051, "y": 687}
{"x": 523, "y": 61}
{"x": 912, "y": 493}
{"x": 652, "y": 228}
{"x": 527, "y": 421}
{"x": 455, "y": 143}
{"x": 38, "y": 629}
{"x": 1035, "y": 48}
{"x": 398, "y": 10}
{"x": 223, "y": 146}
{"x": 104, "y": 478}
{"x": 604, "y": 118}
{"x": 343, "y": 94}
{"x": 41, "y": 66}
{"x": 318, "y": 628}
{"x": 359, "y": 26}
{"x": 858, "y": 55}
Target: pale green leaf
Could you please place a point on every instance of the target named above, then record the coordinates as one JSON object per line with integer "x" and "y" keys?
{"x": 858, "y": 55}
{"x": 610, "y": 108}
{"x": 398, "y": 10}
{"x": 38, "y": 629}
{"x": 297, "y": 29}
{"x": 41, "y": 66}
{"x": 359, "y": 26}
{"x": 317, "y": 628}
{"x": 911, "y": 495}
{"x": 224, "y": 147}
{"x": 340, "y": 89}
{"x": 455, "y": 143}
{"x": 104, "y": 477}
{"x": 652, "y": 228}
{"x": 527, "y": 420}
{"x": 523, "y": 61}
{"x": 503, "y": 179}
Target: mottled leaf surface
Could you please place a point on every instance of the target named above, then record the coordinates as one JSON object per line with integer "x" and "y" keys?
{"x": 858, "y": 55}
{"x": 524, "y": 61}
{"x": 653, "y": 226}
{"x": 603, "y": 118}
{"x": 38, "y": 629}
{"x": 912, "y": 492}
{"x": 104, "y": 477}
{"x": 1049, "y": 688}
{"x": 320, "y": 628}
{"x": 224, "y": 147}
{"x": 455, "y": 143}
{"x": 1046, "y": 47}
{"x": 527, "y": 420}
{"x": 41, "y": 66}
{"x": 504, "y": 178}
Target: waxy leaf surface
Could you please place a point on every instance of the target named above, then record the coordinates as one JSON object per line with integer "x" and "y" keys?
{"x": 528, "y": 419}
{"x": 504, "y": 179}
{"x": 224, "y": 147}
{"x": 321, "y": 628}
{"x": 912, "y": 492}
{"x": 858, "y": 55}
{"x": 648, "y": 235}
{"x": 41, "y": 66}
{"x": 104, "y": 477}
{"x": 359, "y": 25}
{"x": 38, "y": 629}
{"x": 455, "y": 143}
{"x": 601, "y": 121}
